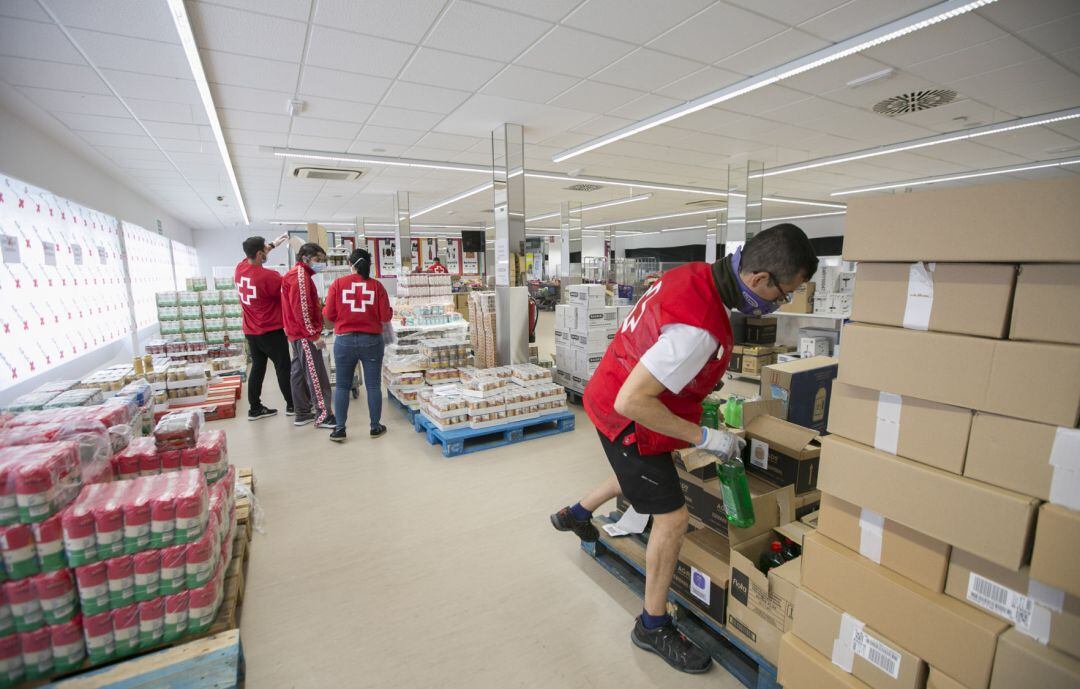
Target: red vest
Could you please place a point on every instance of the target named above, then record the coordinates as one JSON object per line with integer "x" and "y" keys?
{"x": 685, "y": 295}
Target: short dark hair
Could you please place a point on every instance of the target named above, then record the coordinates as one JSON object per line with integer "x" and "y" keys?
{"x": 360, "y": 260}
{"x": 436, "y": 259}
{"x": 253, "y": 245}
{"x": 310, "y": 249}
{"x": 783, "y": 250}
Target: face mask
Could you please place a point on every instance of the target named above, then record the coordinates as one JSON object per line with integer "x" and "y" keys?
{"x": 318, "y": 267}
{"x": 752, "y": 305}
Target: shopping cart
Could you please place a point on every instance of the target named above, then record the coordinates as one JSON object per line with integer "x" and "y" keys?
{"x": 328, "y": 355}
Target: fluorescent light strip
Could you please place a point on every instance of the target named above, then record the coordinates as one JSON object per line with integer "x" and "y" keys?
{"x": 334, "y": 223}
{"x": 191, "y": 51}
{"x": 654, "y": 217}
{"x": 801, "y": 202}
{"x": 309, "y": 154}
{"x": 560, "y": 177}
{"x": 455, "y": 198}
{"x": 963, "y": 135}
{"x": 968, "y": 175}
{"x": 913, "y": 22}
{"x": 803, "y": 217}
{"x": 593, "y": 207}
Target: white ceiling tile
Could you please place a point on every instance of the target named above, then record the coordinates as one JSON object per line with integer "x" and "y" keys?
{"x": 707, "y": 120}
{"x": 332, "y": 109}
{"x": 19, "y": 38}
{"x": 790, "y": 12}
{"x": 402, "y": 21}
{"x": 448, "y": 142}
{"x": 481, "y": 114}
{"x": 960, "y": 114}
{"x": 317, "y": 81}
{"x": 646, "y": 70}
{"x": 247, "y": 33}
{"x": 645, "y": 106}
{"x": 24, "y": 9}
{"x": 836, "y": 75}
{"x": 636, "y": 21}
{"x": 108, "y": 51}
{"x": 666, "y": 136}
{"x": 389, "y": 135}
{"x": 117, "y": 140}
{"x": 979, "y": 59}
{"x": 427, "y": 153}
{"x": 598, "y": 126}
{"x": 766, "y": 99}
{"x": 253, "y": 100}
{"x": 1015, "y": 16}
{"x": 100, "y": 123}
{"x": 568, "y": 51}
{"x": 772, "y": 52}
{"x": 551, "y": 10}
{"x": 254, "y": 138}
{"x": 60, "y": 76}
{"x": 318, "y": 143}
{"x": 379, "y": 148}
{"x": 697, "y": 84}
{"x": 716, "y": 33}
{"x": 132, "y": 155}
{"x": 935, "y": 41}
{"x": 1036, "y": 143}
{"x": 151, "y": 87}
{"x": 524, "y": 83}
{"x": 853, "y": 18}
{"x": 259, "y": 121}
{"x": 485, "y": 32}
{"x": 1018, "y": 81}
{"x": 409, "y": 119}
{"x": 440, "y": 68}
{"x": 289, "y": 9}
{"x": 972, "y": 155}
{"x": 311, "y": 126}
{"x": 420, "y": 97}
{"x": 249, "y": 72}
{"x": 595, "y": 97}
{"x": 69, "y": 101}
{"x": 140, "y": 19}
{"x": 186, "y": 145}
{"x": 353, "y": 52}
{"x": 1057, "y": 35}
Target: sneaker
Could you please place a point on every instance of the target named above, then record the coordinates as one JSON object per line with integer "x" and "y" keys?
{"x": 289, "y": 411}
{"x": 329, "y": 422}
{"x": 303, "y": 419}
{"x": 668, "y": 643}
{"x": 338, "y": 435}
{"x": 378, "y": 431}
{"x": 260, "y": 412}
{"x": 563, "y": 520}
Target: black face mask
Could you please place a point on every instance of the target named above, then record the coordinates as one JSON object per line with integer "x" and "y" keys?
{"x": 727, "y": 283}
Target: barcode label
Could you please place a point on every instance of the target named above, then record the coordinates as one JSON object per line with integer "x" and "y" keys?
{"x": 876, "y": 653}
{"x": 1000, "y": 600}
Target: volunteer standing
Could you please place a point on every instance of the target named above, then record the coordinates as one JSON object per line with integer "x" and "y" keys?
{"x": 303, "y": 326}
{"x": 437, "y": 266}
{"x": 645, "y": 400}
{"x": 260, "y": 301}
{"x": 359, "y": 308}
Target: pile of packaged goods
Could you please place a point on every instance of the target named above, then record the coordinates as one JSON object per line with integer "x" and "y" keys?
{"x": 832, "y": 292}
{"x": 421, "y": 289}
{"x": 205, "y": 316}
{"x": 584, "y": 326}
{"x": 422, "y": 315}
{"x": 486, "y": 398}
{"x": 143, "y": 458}
{"x": 482, "y": 333}
{"x": 445, "y": 408}
{"x": 976, "y": 581}
{"x": 444, "y": 352}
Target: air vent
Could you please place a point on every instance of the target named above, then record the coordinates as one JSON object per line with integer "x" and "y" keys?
{"x": 706, "y": 202}
{"x": 327, "y": 174}
{"x": 914, "y": 102}
{"x": 584, "y": 187}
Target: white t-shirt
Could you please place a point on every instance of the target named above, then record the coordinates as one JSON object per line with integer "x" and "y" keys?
{"x": 679, "y": 355}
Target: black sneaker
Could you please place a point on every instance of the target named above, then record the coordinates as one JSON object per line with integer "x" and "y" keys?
{"x": 289, "y": 411}
{"x": 378, "y": 431}
{"x": 563, "y": 520}
{"x": 338, "y": 435}
{"x": 329, "y": 422}
{"x": 668, "y": 643}
{"x": 303, "y": 419}
{"x": 260, "y": 412}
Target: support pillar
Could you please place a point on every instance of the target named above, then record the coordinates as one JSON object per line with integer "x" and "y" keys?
{"x": 511, "y": 296}
{"x": 402, "y": 235}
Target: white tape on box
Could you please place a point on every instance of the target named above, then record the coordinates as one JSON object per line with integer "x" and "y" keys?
{"x": 920, "y": 296}
{"x": 1044, "y": 594}
{"x": 843, "y": 650}
{"x": 871, "y": 528}
{"x": 1065, "y": 458}
{"x": 887, "y": 426}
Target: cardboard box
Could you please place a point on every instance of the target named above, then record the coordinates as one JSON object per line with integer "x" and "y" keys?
{"x": 832, "y": 334}
{"x": 593, "y": 340}
{"x": 1026, "y": 380}
{"x": 946, "y": 633}
{"x": 1044, "y": 613}
{"x": 973, "y": 223}
{"x": 735, "y": 362}
{"x": 692, "y": 491}
{"x": 760, "y": 331}
{"x": 814, "y": 346}
{"x": 782, "y": 453}
{"x": 1021, "y": 663}
{"x": 927, "y": 432}
{"x": 701, "y": 574}
{"x": 1019, "y": 455}
{"x": 755, "y": 358}
{"x": 807, "y": 503}
{"x": 586, "y": 361}
{"x": 804, "y": 388}
{"x": 1055, "y": 560}
{"x": 1045, "y": 304}
{"x": 907, "y": 552}
{"x": 964, "y": 298}
{"x": 772, "y": 507}
{"x": 590, "y": 296}
{"x": 802, "y": 300}
{"x": 864, "y": 652}
{"x": 989, "y": 521}
{"x": 760, "y": 606}
{"x": 801, "y": 667}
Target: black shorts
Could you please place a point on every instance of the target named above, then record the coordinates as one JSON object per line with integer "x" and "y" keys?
{"x": 649, "y": 482}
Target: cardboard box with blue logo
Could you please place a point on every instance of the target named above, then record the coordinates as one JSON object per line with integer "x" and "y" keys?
{"x": 804, "y": 388}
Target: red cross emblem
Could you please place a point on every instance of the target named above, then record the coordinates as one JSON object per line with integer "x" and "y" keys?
{"x": 246, "y": 290}
{"x": 367, "y": 297}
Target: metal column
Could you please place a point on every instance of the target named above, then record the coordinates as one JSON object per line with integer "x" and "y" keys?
{"x": 570, "y": 226}
{"x": 744, "y": 200}
{"x": 712, "y": 231}
{"x": 402, "y": 235}
{"x": 511, "y": 300}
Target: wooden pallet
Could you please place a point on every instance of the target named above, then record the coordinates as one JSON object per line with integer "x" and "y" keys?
{"x": 466, "y": 440}
{"x": 624, "y": 557}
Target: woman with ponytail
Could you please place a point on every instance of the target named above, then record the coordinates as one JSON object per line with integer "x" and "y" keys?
{"x": 359, "y": 308}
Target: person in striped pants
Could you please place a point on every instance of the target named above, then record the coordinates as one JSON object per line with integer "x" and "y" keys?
{"x": 302, "y": 316}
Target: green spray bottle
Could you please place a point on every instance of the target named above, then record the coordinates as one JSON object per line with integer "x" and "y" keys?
{"x": 736, "y": 492}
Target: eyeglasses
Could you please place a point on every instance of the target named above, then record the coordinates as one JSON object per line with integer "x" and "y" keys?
{"x": 785, "y": 297}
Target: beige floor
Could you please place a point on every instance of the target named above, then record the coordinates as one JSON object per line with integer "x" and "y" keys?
{"x": 385, "y": 565}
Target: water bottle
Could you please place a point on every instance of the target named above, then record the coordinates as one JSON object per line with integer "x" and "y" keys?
{"x": 736, "y": 493}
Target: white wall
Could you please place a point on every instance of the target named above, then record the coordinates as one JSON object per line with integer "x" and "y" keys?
{"x": 222, "y": 248}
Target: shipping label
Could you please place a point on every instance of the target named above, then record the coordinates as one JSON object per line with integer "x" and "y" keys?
{"x": 876, "y": 653}
{"x": 1000, "y": 600}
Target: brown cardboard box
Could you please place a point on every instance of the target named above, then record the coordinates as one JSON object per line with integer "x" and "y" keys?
{"x": 966, "y": 298}
{"x": 918, "y": 557}
{"x": 756, "y": 357}
{"x": 938, "y": 680}
{"x": 1024, "y": 664}
{"x": 782, "y": 453}
{"x": 975, "y": 223}
{"x": 802, "y": 300}
{"x": 989, "y": 521}
{"x": 692, "y": 491}
{"x": 1027, "y": 380}
{"x": 804, "y": 389}
{"x": 759, "y": 606}
{"x": 807, "y": 503}
{"x": 927, "y": 432}
{"x": 1055, "y": 561}
{"x": 1013, "y": 453}
{"x": 736, "y": 360}
{"x": 1045, "y": 305}
{"x": 801, "y": 667}
{"x": 876, "y": 660}
{"x": 946, "y": 633}
{"x": 1049, "y": 615}
{"x": 702, "y": 572}
{"x": 772, "y": 507}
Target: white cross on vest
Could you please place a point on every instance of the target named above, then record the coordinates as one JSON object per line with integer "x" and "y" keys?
{"x": 246, "y": 290}
{"x": 348, "y": 296}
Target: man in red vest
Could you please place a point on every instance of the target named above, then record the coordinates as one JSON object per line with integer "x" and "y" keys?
{"x": 645, "y": 401}
{"x": 437, "y": 266}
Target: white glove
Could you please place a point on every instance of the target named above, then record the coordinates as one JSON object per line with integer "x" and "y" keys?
{"x": 720, "y": 443}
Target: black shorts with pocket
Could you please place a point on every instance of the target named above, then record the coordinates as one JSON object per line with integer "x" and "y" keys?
{"x": 649, "y": 482}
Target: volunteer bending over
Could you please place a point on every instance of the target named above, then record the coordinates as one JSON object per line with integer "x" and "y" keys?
{"x": 645, "y": 400}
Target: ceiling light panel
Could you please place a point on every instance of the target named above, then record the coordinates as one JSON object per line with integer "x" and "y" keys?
{"x": 1011, "y": 169}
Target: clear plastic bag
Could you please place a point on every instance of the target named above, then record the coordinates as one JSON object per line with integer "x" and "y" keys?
{"x": 178, "y": 429}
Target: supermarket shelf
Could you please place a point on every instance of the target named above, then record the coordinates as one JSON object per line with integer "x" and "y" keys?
{"x": 823, "y": 316}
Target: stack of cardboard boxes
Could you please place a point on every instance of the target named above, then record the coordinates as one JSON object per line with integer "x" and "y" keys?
{"x": 948, "y": 543}
{"x": 756, "y": 349}
{"x": 584, "y": 326}
{"x": 482, "y": 333}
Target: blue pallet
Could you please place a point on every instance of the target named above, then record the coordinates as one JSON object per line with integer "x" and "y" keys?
{"x": 731, "y": 653}
{"x": 410, "y": 414}
{"x": 463, "y": 441}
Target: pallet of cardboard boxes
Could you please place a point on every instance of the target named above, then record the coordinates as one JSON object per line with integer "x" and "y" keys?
{"x": 584, "y": 327}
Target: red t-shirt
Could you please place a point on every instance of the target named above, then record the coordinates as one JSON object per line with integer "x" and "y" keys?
{"x": 260, "y": 297}
{"x": 437, "y": 268}
{"x": 300, "y": 310}
{"x": 356, "y": 305}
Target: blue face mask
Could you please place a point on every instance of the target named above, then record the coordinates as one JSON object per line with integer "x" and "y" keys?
{"x": 752, "y": 305}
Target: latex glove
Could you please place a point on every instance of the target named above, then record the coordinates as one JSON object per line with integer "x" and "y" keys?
{"x": 279, "y": 241}
{"x": 720, "y": 443}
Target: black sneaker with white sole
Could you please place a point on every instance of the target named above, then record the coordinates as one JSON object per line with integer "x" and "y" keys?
{"x": 303, "y": 419}
{"x": 329, "y": 422}
{"x": 260, "y": 412}
{"x": 563, "y": 520}
{"x": 378, "y": 431}
{"x": 289, "y": 411}
{"x": 338, "y": 435}
{"x": 677, "y": 651}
